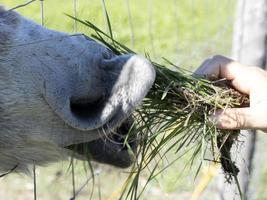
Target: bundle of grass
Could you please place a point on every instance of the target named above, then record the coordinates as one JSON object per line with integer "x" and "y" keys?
{"x": 174, "y": 118}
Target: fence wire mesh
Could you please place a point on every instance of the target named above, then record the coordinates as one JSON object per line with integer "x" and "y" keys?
{"x": 184, "y": 31}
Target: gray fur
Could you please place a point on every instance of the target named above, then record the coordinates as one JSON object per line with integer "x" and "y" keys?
{"x": 41, "y": 73}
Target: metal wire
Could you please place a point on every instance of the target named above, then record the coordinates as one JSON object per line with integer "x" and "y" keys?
{"x": 72, "y": 164}
{"x": 130, "y": 23}
{"x": 22, "y": 5}
{"x": 9, "y": 171}
{"x": 175, "y": 16}
{"x": 150, "y": 25}
{"x": 42, "y": 11}
{"x": 97, "y": 173}
{"x": 73, "y": 180}
{"x": 34, "y": 182}
{"x": 75, "y": 15}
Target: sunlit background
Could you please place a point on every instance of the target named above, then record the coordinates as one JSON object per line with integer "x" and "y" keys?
{"x": 183, "y": 31}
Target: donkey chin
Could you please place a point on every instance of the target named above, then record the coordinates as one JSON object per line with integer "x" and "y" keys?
{"x": 64, "y": 94}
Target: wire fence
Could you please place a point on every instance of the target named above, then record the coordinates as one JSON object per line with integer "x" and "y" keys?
{"x": 183, "y": 31}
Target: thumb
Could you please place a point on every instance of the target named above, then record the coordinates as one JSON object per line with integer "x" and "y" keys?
{"x": 233, "y": 118}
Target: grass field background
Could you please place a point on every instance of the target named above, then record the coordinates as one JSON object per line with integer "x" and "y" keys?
{"x": 184, "y": 31}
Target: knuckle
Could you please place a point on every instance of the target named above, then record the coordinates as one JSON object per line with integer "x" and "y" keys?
{"x": 219, "y": 58}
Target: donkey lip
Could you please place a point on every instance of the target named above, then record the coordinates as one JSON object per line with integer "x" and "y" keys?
{"x": 125, "y": 133}
{"x": 125, "y": 126}
{"x": 111, "y": 149}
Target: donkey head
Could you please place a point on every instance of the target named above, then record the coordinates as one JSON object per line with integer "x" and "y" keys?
{"x": 59, "y": 90}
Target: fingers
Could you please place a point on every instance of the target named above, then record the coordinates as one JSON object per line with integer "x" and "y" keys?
{"x": 246, "y": 79}
{"x": 237, "y": 118}
{"x": 221, "y": 67}
{"x": 214, "y": 66}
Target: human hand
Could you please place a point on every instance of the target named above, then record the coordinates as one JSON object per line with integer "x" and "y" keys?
{"x": 249, "y": 80}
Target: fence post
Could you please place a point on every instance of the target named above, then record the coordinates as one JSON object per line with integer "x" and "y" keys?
{"x": 249, "y": 47}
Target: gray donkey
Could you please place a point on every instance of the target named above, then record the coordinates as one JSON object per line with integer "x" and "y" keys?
{"x": 60, "y": 93}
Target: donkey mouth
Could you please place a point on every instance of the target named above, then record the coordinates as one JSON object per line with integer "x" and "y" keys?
{"x": 127, "y": 81}
{"x": 118, "y": 148}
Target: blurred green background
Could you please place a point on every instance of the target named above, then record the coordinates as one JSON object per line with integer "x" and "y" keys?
{"x": 183, "y": 31}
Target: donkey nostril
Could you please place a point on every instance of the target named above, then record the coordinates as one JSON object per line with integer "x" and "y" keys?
{"x": 85, "y": 108}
